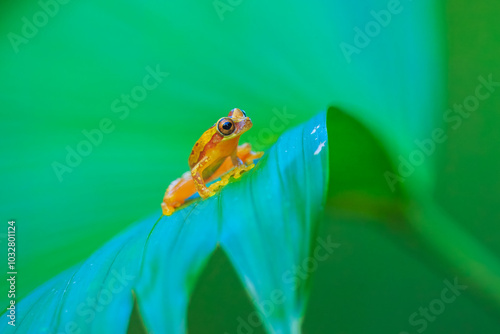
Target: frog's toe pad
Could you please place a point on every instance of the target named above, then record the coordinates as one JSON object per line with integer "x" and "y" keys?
{"x": 167, "y": 210}
{"x": 236, "y": 173}
{"x": 214, "y": 187}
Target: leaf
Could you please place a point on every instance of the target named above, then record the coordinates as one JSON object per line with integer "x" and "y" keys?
{"x": 264, "y": 221}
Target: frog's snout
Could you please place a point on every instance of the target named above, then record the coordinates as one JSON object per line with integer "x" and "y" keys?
{"x": 247, "y": 124}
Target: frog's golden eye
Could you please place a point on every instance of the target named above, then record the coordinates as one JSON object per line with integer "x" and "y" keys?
{"x": 225, "y": 126}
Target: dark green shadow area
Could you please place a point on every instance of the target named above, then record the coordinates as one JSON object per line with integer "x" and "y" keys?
{"x": 136, "y": 323}
{"x": 219, "y": 303}
{"x": 358, "y": 162}
{"x": 385, "y": 268}
{"x": 375, "y": 281}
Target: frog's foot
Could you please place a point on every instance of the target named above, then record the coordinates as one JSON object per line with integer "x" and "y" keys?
{"x": 237, "y": 171}
{"x": 224, "y": 180}
{"x": 216, "y": 186}
{"x": 246, "y": 154}
{"x": 253, "y": 156}
{"x": 206, "y": 193}
{"x": 167, "y": 209}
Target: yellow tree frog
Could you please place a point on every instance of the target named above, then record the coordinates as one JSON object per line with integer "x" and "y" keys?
{"x": 216, "y": 154}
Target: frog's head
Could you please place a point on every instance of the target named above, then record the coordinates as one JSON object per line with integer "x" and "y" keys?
{"x": 234, "y": 125}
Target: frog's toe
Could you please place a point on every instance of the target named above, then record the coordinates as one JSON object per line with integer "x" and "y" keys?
{"x": 257, "y": 155}
{"x": 216, "y": 186}
{"x": 242, "y": 169}
{"x": 167, "y": 210}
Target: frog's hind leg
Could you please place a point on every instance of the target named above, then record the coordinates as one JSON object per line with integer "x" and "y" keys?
{"x": 177, "y": 193}
{"x": 246, "y": 154}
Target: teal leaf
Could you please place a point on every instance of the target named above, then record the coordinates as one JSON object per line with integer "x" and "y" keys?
{"x": 84, "y": 297}
{"x": 175, "y": 253}
{"x": 266, "y": 243}
{"x": 265, "y": 222}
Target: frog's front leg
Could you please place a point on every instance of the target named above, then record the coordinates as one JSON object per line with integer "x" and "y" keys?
{"x": 236, "y": 160}
{"x": 197, "y": 174}
{"x": 239, "y": 166}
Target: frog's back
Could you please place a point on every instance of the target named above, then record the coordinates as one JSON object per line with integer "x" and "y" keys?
{"x": 206, "y": 142}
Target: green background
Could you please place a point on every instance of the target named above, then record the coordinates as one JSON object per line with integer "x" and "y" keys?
{"x": 262, "y": 56}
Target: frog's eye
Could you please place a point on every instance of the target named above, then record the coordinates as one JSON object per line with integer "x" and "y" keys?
{"x": 225, "y": 126}
{"x": 244, "y": 113}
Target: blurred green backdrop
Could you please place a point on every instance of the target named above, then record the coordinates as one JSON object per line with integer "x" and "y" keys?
{"x": 271, "y": 60}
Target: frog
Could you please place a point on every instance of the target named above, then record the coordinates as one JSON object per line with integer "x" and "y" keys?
{"x": 217, "y": 154}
